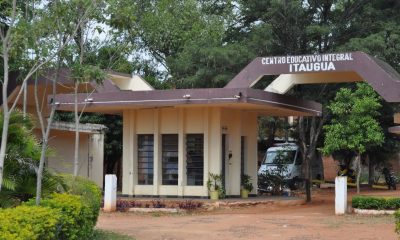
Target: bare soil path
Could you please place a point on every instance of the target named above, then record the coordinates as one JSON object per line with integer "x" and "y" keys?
{"x": 307, "y": 222}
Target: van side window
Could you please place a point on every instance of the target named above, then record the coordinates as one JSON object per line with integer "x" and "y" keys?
{"x": 299, "y": 158}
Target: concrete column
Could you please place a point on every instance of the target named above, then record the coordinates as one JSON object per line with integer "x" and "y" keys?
{"x": 157, "y": 153}
{"x": 134, "y": 153}
{"x": 234, "y": 148}
{"x": 250, "y": 125}
{"x": 127, "y": 154}
{"x": 340, "y": 195}
{"x": 206, "y": 120}
{"x": 181, "y": 151}
{"x": 110, "y": 193}
{"x": 96, "y": 158}
{"x": 214, "y": 144}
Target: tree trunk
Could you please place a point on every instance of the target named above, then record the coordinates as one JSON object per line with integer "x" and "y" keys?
{"x": 6, "y": 114}
{"x": 4, "y": 135}
{"x": 76, "y": 153}
{"x": 358, "y": 172}
{"x": 25, "y": 86}
{"x": 371, "y": 170}
{"x": 308, "y": 148}
{"x": 40, "y": 173}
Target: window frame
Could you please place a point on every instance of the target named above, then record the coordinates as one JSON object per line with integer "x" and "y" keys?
{"x": 194, "y": 159}
{"x": 169, "y": 159}
{"x": 150, "y": 159}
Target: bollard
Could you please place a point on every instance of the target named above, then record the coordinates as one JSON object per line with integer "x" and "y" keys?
{"x": 340, "y": 195}
{"x": 110, "y": 193}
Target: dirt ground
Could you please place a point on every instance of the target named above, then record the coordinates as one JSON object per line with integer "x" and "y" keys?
{"x": 306, "y": 222}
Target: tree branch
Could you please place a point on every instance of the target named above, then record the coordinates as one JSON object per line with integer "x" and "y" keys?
{"x": 38, "y": 65}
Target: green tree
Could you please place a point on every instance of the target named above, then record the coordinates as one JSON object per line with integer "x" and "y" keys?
{"x": 354, "y": 124}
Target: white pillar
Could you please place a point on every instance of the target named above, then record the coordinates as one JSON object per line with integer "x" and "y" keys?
{"x": 110, "y": 193}
{"x": 340, "y": 195}
{"x": 181, "y": 152}
{"x": 157, "y": 167}
{"x": 206, "y": 120}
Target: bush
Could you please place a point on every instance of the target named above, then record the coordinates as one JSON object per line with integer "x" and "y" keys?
{"x": 397, "y": 216}
{"x": 61, "y": 216}
{"x": 369, "y": 202}
{"x": 29, "y": 222}
{"x": 76, "y": 220}
{"x": 86, "y": 188}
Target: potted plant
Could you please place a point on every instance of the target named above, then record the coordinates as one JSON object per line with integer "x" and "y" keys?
{"x": 214, "y": 185}
{"x": 247, "y": 186}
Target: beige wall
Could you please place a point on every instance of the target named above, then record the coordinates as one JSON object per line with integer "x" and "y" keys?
{"x": 209, "y": 121}
{"x": 90, "y": 154}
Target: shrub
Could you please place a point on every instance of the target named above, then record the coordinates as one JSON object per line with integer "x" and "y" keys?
{"x": 76, "y": 219}
{"x": 29, "y": 222}
{"x": 369, "y": 202}
{"x": 397, "y": 217}
{"x": 86, "y": 188}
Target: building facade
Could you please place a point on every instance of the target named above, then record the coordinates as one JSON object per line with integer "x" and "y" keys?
{"x": 171, "y": 151}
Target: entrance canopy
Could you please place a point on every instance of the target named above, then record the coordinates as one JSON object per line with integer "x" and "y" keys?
{"x": 321, "y": 68}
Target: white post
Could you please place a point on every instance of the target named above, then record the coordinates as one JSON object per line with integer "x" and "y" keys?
{"x": 110, "y": 193}
{"x": 340, "y": 195}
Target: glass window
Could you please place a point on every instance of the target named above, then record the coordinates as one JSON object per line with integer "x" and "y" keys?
{"x": 280, "y": 157}
{"x": 194, "y": 159}
{"x": 170, "y": 159}
{"x": 145, "y": 159}
{"x": 242, "y": 156}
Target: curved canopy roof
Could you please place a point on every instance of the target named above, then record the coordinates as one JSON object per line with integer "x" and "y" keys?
{"x": 321, "y": 68}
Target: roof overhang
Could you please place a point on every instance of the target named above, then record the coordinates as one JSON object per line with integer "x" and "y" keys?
{"x": 321, "y": 68}
{"x": 241, "y": 98}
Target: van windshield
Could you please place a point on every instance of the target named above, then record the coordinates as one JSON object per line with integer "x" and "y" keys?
{"x": 280, "y": 157}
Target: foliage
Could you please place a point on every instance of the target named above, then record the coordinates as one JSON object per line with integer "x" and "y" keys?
{"x": 21, "y": 163}
{"x": 214, "y": 183}
{"x": 369, "y": 202}
{"x": 88, "y": 190}
{"x": 354, "y": 125}
{"x": 76, "y": 215}
{"x": 61, "y": 216}
{"x": 87, "y": 73}
{"x": 193, "y": 50}
{"x": 29, "y": 222}
{"x": 246, "y": 182}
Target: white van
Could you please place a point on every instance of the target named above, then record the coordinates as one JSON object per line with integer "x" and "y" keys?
{"x": 287, "y": 154}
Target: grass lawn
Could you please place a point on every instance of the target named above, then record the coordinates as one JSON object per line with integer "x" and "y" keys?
{"x": 107, "y": 235}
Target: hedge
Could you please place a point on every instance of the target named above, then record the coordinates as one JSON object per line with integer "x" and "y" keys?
{"x": 29, "y": 222}
{"x": 69, "y": 215}
{"x": 397, "y": 216}
{"x": 379, "y": 203}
